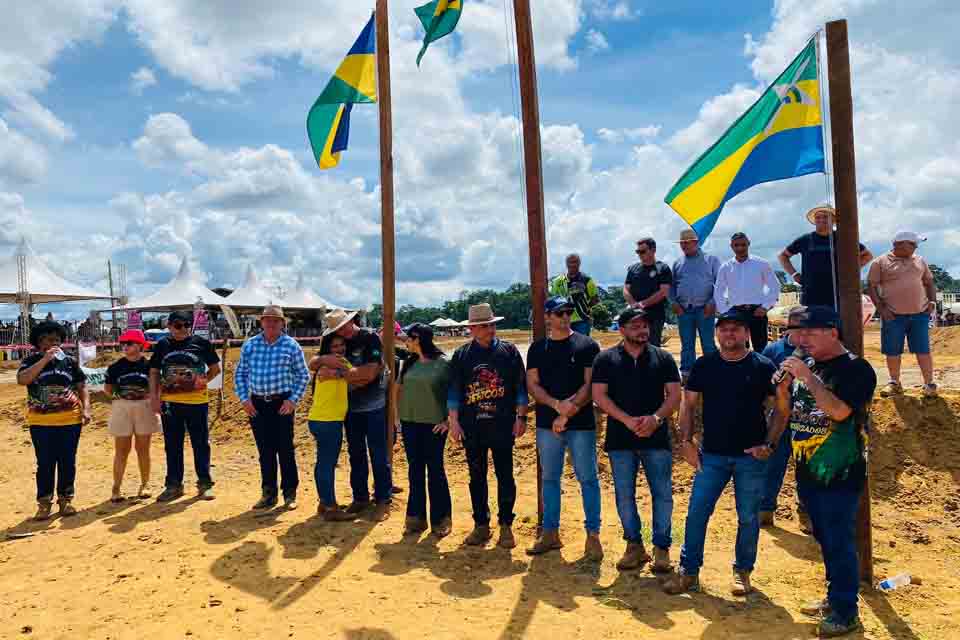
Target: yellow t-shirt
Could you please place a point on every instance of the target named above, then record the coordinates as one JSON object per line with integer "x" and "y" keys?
{"x": 329, "y": 401}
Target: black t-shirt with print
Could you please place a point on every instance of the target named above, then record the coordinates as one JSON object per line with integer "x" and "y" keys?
{"x": 487, "y": 383}
{"x": 130, "y": 380}
{"x": 52, "y": 398}
{"x": 366, "y": 348}
{"x": 734, "y": 416}
{"x": 644, "y": 281}
{"x": 183, "y": 368}
{"x": 831, "y": 454}
{"x": 638, "y": 387}
{"x": 560, "y": 365}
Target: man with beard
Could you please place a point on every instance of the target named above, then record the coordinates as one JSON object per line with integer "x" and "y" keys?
{"x": 734, "y": 383}
{"x": 638, "y": 386}
{"x": 487, "y": 405}
{"x": 829, "y": 405}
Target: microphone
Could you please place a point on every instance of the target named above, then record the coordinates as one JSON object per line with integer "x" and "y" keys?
{"x": 800, "y": 354}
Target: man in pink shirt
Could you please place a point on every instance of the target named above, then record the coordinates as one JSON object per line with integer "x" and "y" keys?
{"x": 901, "y": 286}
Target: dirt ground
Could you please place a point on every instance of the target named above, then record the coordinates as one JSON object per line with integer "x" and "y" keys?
{"x": 199, "y": 569}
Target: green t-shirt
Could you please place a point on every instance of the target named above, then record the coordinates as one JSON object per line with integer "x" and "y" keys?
{"x": 423, "y": 395}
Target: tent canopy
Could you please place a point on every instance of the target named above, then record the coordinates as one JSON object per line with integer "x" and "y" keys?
{"x": 181, "y": 292}
{"x": 42, "y": 284}
{"x": 302, "y": 297}
{"x": 253, "y": 294}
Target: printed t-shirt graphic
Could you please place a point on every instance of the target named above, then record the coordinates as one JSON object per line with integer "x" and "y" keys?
{"x": 183, "y": 369}
{"x": 52, "y": 399}
{"x": 484, "y": 390}
{"x": 130, "y": 380}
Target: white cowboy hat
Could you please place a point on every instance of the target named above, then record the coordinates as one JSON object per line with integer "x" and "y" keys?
{"x": 336, "y": 319}
{"x": 481, "y": 314}
{"x": 272, "y": 311}
{"x": 812, "y": 214}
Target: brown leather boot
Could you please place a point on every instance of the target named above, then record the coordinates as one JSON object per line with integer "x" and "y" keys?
{"x": 479, "y": 536}
{"x": 506, "y": 541}
{"x": 548, "y": 541}
{"x": 381, "y": 513}
{"x": 44, "y": 510}
{"x": 334, "y": 513}
{"x": 634, "y": 557}
{"x": 414, "y": 526}
{"x": 661, "y": 560}
{"x": 680, "y": 583}
{"x": 741, "y": 583}
{"x": 66, "y": 507}
{"x": 592, "y": 548}
{"x": 766, "y": 518}
{"x": 443, "y": 528}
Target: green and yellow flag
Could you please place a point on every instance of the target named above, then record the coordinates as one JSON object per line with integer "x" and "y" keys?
{"x": 328, "y": 123}
{"x": 439, "y": 19}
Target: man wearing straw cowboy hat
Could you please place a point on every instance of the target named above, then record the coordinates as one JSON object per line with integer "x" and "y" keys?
{"x": 487, "y": 405}
{"x": 270, "y": 379}
{"x": 818, "y": 258}
{"x": 692, "y": 296}
{"x": 365, "y": 423}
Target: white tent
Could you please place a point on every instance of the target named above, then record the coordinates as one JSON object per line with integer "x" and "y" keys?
{"x": 253, "y": 294}
{"x": 42, "y": 284}
{"x": 181, "y": 292}
{"x": 439, "y": 322}
{"x": 302, "y": 297}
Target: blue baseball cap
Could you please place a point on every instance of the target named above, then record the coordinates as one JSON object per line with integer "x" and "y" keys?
{"x": 557, "y": 303}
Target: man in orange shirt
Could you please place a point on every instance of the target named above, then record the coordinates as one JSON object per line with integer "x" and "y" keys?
{"x": 901, "y": 286}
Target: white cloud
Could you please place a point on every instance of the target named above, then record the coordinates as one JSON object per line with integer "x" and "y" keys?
{"x": 611, "y": 10}
{"x": 141, "y": 79}
{"x": 596, "y": 41}
{"x": 21, "y": 160}
{"x": 616, "y": 136}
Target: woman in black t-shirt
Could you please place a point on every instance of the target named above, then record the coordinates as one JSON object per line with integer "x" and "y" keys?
{"x": 132, "y": 419}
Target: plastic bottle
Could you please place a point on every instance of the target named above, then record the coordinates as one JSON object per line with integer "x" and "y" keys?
{"x": 895, "y": 582}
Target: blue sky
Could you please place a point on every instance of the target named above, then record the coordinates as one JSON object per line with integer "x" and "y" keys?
{"x": 209, "y": 157}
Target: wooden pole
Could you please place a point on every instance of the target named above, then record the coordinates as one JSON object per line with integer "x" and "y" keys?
{"x": 386, "y": 207}
{"x": 533, "y": 168}
{"x": 848, "y": 237}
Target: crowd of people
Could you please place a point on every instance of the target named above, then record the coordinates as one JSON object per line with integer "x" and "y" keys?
{"x": 805, "y": 396}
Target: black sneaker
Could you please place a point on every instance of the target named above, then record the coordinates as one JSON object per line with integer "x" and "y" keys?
{"x": 170, "y": 493}
{"x": 832, "y": 626}
{"x": 205, "y": 491}
{"x": 266, "y": 501}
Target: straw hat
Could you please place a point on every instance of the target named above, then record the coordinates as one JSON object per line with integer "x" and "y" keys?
{"x": 812, "y": 214}
{"x": 481, "y": 314}
{"x": 272, "y": 311}
{"x": 688, "y": 234}
{"x": 336, "y": 319}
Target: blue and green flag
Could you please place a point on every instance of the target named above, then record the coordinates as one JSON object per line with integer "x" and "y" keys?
{"x": 779, "y": 137}
{"x": 328, "y": 123}
{"x": 439, "y": 18}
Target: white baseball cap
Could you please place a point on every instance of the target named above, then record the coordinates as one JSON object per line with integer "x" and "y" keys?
{"x": 909, "y": 236}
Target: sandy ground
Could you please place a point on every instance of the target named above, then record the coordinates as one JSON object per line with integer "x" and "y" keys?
{"x": 202, "y": 569}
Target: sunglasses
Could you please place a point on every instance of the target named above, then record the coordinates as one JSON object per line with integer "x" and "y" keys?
{"x": 179, "y": 325}
{"x": 562, "y": 312}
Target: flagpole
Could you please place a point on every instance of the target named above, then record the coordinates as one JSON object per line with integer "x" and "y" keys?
{"x": 387, "y": 232}
{"x": 533, "y": 169}
{"x": 848, "y": 238}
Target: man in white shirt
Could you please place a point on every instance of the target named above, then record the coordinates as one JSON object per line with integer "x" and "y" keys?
{"x": 748, "y": 285}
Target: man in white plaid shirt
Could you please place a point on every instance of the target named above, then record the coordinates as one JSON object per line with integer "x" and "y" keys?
{"x": 270, "y": 380}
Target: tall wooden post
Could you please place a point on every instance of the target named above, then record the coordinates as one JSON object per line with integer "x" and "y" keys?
{"x": 536, "y": 227}
{"x": 848, "y": 237}
{"x": 387, "y": 233}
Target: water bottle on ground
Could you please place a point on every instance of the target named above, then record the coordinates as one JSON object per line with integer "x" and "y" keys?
{"x": 895, "y": 582}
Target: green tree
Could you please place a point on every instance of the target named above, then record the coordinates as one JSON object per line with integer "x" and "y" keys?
{"x": 602, "y": 317}
{"x": 943, "y": 280}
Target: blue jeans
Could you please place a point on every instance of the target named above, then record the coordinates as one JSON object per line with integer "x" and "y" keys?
{"x": 368, "y": 430}
{"x": 329, "y": 437}
{"x": 690, "y": 323}
{"x": 833, "y": 513}
{"x": 914, "y": 328}
{"x": 658, "y": 469}
{"x": 776, "y": 470}
{"x": 583, "y": 450}
{"x": 581, "y": 326}
{"x": 749, "y": 475}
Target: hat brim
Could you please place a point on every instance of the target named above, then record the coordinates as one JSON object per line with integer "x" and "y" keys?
{"x": 569, "y": 307}
{"x": 811, "y": 215}
{"x": 270, "y": 315}
{"x": 350, "y": 316}
{"x": 492, "y": 320}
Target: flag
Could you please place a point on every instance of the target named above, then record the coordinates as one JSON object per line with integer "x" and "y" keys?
{"x": 328, "y": 123}
{"x": 779, "y": 137}
{"x": 439, "y": 19}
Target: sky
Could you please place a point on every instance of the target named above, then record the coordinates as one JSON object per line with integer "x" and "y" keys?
{"x": 145, "y": 132}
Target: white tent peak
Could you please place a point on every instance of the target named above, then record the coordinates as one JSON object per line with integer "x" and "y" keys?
{"x": 302, "y": 297}
{"x": 42, "y": 283}
{"x": 252, "y": 293}
{"x": 184, "y": 290}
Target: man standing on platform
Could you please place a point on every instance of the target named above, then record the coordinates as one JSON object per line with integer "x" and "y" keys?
{"x": 647, "y": 287}
{"x": 180, "y": 367}
{"x": 748, "y": 285}
{"x": 487, "y": 405}
{"x": 902, "y": 288}
{"x": 558, "y": 377}
{"x": 270, "y": 379}
{"x": 580, "y": 290}
{"x": 692, "y": 294}
{"x": 818, "y": 256}
{"x": 638, "y": 386}
{"x": 828, "y": 406}
{"x": 735, "y": 385}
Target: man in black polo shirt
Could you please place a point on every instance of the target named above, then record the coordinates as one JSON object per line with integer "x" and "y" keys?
{"x": 735, "y": 384}
{"x": 638, "y": 386}
{"x": 558, "y": 377}
{"x": 648, "y": 286}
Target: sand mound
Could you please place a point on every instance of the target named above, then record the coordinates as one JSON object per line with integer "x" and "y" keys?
{"x": 945, "y": 341}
